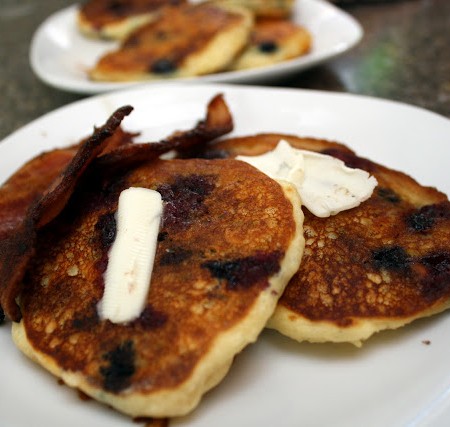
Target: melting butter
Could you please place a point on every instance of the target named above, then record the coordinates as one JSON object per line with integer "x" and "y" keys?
{"x": 131, "y": 257}
{"x": 325, "y": 184}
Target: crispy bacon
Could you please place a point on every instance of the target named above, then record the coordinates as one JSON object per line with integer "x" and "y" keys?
{"x": 101, "y": 153}
{"x": 218, "y": 122}
{"x": 17, "y": 248}
{"x": 28, "y": 184}
{"x": 32, "y": 180}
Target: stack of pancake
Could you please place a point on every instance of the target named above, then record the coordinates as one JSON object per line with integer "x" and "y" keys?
{"x": 167, "y": 39}
{"x": 231, "y": 258}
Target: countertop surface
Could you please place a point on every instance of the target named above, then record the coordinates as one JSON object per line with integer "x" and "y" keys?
{"x": 403, "y": 56}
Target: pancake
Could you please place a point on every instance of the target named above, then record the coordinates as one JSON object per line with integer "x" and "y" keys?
{"x": 378, "y": 266}
{"x": 273, "y": 41}
{"x": 229, "y": 243}
{"x": 115, "y": 19}
{"x": 31, "y": 181}
{"x": 185, "y": 41}
{"x": 264, "y": 8}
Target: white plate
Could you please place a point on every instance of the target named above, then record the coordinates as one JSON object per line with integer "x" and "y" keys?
{"x": 60, "y": 55}
{"x": 394, "y": 380}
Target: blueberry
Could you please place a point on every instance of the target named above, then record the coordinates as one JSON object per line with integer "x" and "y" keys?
{"x": 267, "y": 47}
{"x": 163, "y": 66}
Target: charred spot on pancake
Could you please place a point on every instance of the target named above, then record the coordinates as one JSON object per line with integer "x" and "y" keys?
{"x": 162, "y": 236}
{"x": 132, "y": 41}
{"x": 245, "y": 272}
{"x": 162, "y": 35}
{"x": 117, "y": 374}
{"x": 268, "y": 46}
{"x": 118, "y": 7}
{"x": 437, "y": 282}
{"x": 163, "y": 66}
{"x": 106, "y": 227}
{"x": 388, "y": 194}
{"x": 184, "y": 199}
{"x": 174, "y": 256}
{"x": 437, "y": 263}
{"x": 351, "y": 160}
{"x": 86, "y": 321}
{"x": 151, "y": 318}
{"x": 215, "y": 154}
{"x": 423, "y": 219}
{"x": 391, "y": 258}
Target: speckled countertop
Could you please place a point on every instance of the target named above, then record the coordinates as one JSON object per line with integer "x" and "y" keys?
{"x": 403, "y": 56}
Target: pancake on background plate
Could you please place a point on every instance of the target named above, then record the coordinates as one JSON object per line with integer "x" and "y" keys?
{"x": 115, "y": 19}
{"x": 264, "y": 8}
{"x": 378, "y": 266}
{"x": 184, "y": 41}
{"x": 273, "y": 41}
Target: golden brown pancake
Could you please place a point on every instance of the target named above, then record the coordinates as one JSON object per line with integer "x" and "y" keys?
{"x": 378, "y": 266}
{"x": 30, "y": 182}
{"x": 115, "y": 19}
{"x": 273, "y": 41}
{"x": 229, "y": 243}
{"x": 264, "y": 8}
{"x": 184, "y": 41}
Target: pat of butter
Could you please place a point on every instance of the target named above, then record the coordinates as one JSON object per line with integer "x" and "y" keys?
{"x": 325, "y": 184}
{"x": 131, "y": 257}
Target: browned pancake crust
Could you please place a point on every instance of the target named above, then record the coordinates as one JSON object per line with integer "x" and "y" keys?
{"x": 29, "y": 182}
{"x": 389, "y": 258}
{"x": 264, "y": 8}
{"x": 272, "y": 30}
{"x": 213, "y": 260}
{"x": 273, "y": 41}
{"x": 99, "y": 13}
{"x": 162, "y": 47}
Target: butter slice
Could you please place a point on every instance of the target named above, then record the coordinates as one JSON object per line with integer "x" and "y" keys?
{"x": 325, "y": 184}
{"x": 131, "y": 257}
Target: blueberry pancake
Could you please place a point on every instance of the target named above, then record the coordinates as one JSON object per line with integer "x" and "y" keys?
{"x": 378, "y": 266}
{"x": 185, "y": 41}
{"x": 264, "y": 8}
{"x": 273, "y": 41}
{"x": 115, "y": 19}
{"x": 230, "y": 240}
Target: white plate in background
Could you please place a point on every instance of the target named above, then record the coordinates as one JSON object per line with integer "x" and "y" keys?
{"x": 395, "y": 380}
{"x": 60, "y": 56}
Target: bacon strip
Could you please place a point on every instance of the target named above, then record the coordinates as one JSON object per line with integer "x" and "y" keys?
{"x": 31, "y": 181}
{"x": 17, "y": 248}
{"x": 218, "y": 122}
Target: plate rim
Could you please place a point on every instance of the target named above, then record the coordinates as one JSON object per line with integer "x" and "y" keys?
{"x": 355, "y": 97}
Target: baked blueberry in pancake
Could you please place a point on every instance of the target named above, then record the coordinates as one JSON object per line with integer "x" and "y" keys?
{"x": 230, "y": 240}
{"x": 378, "y": 266}
{"x": 184, "y": 41}
{"x": 273, "y": 41}
{"x": 115, "y": 19}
